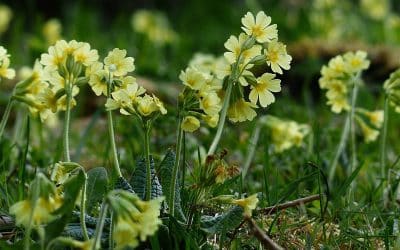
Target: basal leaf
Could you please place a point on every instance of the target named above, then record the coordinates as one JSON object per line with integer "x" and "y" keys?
{"x": 97, "y": 182}
{"x": 223, "y": 222}
{"x": 139, "y": 179}
{"x": 165, "y": 171}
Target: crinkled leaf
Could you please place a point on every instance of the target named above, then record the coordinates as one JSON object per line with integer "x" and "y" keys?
{"x": 223, "y": 222}
{"x": 139, "y": 179}
{"x": 123, "y": 184}
{"x": 165, "y": 170}
{"x": 97, "y": 183}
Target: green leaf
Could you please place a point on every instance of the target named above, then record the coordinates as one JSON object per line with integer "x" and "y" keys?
{"x": 97, "y": 183}
{"x": 347, "y": 183}
{"x": 123, "y": 184}
{"x": 139, "y": 179}
{"x": 72, "y": 188}
{"x": 165, "y": 170}
{"x": 222, "y": 223}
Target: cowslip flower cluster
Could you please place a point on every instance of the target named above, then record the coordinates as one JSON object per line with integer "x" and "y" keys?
{"x": 338, "y": 78}
{"x": 123, "y": 91}
{"x": 248, "y": 204}
{"x": 59, "y": 74}
{"x": 135, "y": 219}
{"x": 200, "y": 97}
{"x": 154, "y": 25}
{"x": 5, "y": 70}
{"x": 392, "y": 89}
{"x": 37, "y": 211}
{"x": 286, "y": 134}
{"x": 370, "y": 123}
{"x": 257, "y": 45}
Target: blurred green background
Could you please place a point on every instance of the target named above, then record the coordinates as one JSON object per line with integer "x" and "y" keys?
{"x": 171, "y": 31}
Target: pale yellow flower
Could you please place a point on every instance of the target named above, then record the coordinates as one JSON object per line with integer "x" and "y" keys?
{"x": 160, "y": 105}
{"x": 338, "y": 104}
{"x": 42, "y": 210}
{"x": 98, "y": 82}
{"x": 190, "y": 124}
{"x": 5, "y": 17}
{"x": 149, "y": 217}
{"x": 259, "y": 27}
{"x": 52, "y": 31}
{"x": 338, "y": 65}
{"x": 210, "y": 103}
{"x": 193, "y": 78}
{"x": 262, "y": 91}
{"x": 83, "y": 54}
{"x": 248, "y": 204}
{"x": 126, "y": 233}
{"x": 94, "y": 68}
{"x": 370, "y": 134}
{"x": 54, "y": 58}
{"x": 277, "y": 56}
{"x": 377, "y": 10}
{"x": 5, "y": 71}
{"x": 146, "y": 105}
{"x": 241, "y": 111}
{"x": 117, "y": 62}
{"x": 134, "y": 90}
{"x": 120, "y": 100}
{"x": 286, "y": 134}
{"x": 234, "y": 45}
{"x": 211, "y": 120}
{"x": 357, "y": 61}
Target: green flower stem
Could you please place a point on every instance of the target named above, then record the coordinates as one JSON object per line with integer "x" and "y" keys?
{"x": 111, "y": 132}
{"x": 6, "y": 115}
{"x": 222, "y": 119}
{"x": 178, "y": 149}
{"x": 384, "y": 170}
{"x": 251, "y": 148}
{"x": 147, "y": 129}
{"x": 342, "y": 145}
{"x": 100, "y": 226}
{"x": 112, "y": 141}
{"x": 67, "y": 120}
{"x": 83, "y": 209}
{"x": 353, "y": 164}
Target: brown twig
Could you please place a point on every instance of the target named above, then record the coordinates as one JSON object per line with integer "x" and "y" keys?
{"x": 262, "y": 236}
{"x": 293, "y": 203}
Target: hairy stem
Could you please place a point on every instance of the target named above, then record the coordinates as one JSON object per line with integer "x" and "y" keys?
{"x": 83, "y": 210}
{"x": 6, "y": 115}
{"x": 353, "y": 164}
{"x": 100, "y": 225}
{"x": 147, "y": 128}
{"x": 111, "y": 132}
{"x": 178, "y": 149}
{"x": 384, "y": 170}
{"x": 222, "y": 119}
{"x": 67, "y": 120}
{"x": 342, "y": 145}
{"x": 251, "y": 148}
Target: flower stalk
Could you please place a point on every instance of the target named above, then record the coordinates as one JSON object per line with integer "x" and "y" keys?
{"x": 6, "y": 115}
{"x": 67, "y": 120}
{"x": 178, "y": 149}
{"x": 147, "y": 129}
{"x": 222, "y": 119}
{"x": 111, "y": 132}
{"x": 353, "y": 164}
{"x": 384, "y": 170}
